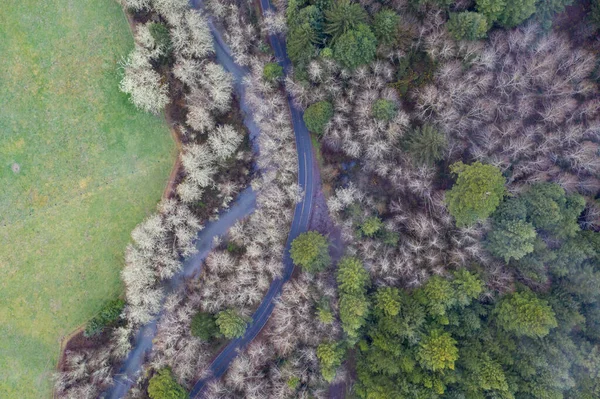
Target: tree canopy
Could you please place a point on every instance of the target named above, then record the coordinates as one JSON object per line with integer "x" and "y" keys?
{"x": 231, "y": 324}
{"x": 317, "y": 115}
{"x": 476, "y": 194}
{"x": 164, "y": 386}
{"x": 310, "y": 251}
{"x": 355, "y": 47}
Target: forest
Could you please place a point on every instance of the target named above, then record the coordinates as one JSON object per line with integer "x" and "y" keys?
{"x": 456, "y": 253}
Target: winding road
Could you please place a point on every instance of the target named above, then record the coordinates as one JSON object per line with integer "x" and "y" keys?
{"x": 242, "y": 207}
{"x": 302, "y": 211}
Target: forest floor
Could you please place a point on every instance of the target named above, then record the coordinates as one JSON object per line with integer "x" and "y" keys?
{"x": 80, "y": 167}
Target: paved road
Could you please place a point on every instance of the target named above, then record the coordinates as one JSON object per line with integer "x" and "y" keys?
{"x": 302, "y": 211}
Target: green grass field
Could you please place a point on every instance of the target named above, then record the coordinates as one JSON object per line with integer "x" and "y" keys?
{"x": 79, "y": 168}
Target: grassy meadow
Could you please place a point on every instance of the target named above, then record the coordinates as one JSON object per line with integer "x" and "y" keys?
{"x": 79, "y": 168}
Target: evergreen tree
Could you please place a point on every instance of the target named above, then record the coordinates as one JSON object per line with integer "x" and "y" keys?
{"x": 204, "y": 326}
{"x": 511, "y": 239}
{"x": 231, "y": 324}
{"x": 352, "y": 277}
{"x": 343, "y": 17}
{"x": 162, "y": 385}
{"x": 437, "y": 351}
{"x": 330, "y": 355}
{"x": 384, "y": 110}
{"x": 524, "y": 314}
{"x": 355, "y": 47}
{"x": 385, "y": 26}
{"x": 426, "y": 145}
{"x": 467, "y": 25}
{"x": 476, "y": 194}
{"x": 310, "y": 251}
{"x": 317, "y": 116}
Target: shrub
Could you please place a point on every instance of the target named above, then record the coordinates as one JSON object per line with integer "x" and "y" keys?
{"x": 204, "y": 326}
{"x": 384, "y": 110}
{"x": 272, "y": 71}
{"x": 108, "y": 315}
{"x": 310, "y": 251}
{"x": 467, "y": 25}
{"x": 164, "y": 386}
{"x": 317, "y": 116}
{"x": 476, "y": 194}
{"x": 355, "y": 47}
{"x": 231, "y": 324}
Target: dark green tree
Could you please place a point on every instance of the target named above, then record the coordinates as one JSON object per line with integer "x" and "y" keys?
{"x": 546, "y": 10}
{"x": 524, "y": 314}
{"x": 491, "y": 9}
{"x": 108, "y": 315}
{"x": 343, "y": 17}
{"x": 301, "y": 44}
{"x": 355, "y": 47}
{"x": 163, "y": 385}
{"x": 231, "y": 324}
{"x": 507, "y": 13}
{"x": 387, "y": 301}
{"x": 437, "y": 295}
{"x": 385, "y": 26}
{"x": 384, "y": 110}
{"x": 310, "y": 251}
{"x": 467, "y": 25}
{"x": 511, "y": 239}
{"x": 551, "y": 210}
{"x": 476, "y": 194}
{"x": 426, "y": 145}
{"x": 317, "y": 116}
{"x": 162, "y": 38}
{"x": 204, "y": 326}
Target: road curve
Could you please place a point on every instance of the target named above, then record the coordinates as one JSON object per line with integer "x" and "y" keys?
{"x": 302, "y": 212}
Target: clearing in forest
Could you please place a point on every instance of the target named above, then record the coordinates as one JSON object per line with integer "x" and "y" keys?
{"x": 79, "y": 168}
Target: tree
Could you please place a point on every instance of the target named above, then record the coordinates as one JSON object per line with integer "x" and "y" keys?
{"x": 163, "y": 386}
{"x": 317, "y": 116}
{"x": 272, "y": 71}
{"x": 231, "y": 324}
{"x": 384, "y": 110}
{"x": 387, "y": 301}
{"x": 507, "y": 13}
{"x": 467, "y": 286}
{"x": 108, "y": 315}
{"x": 204, "y": 326}
{"x": 354, "y": 310}
{"x": 162, "y": 37}
{"x": 551, "y": 210}
{"x": 492, "y": 9}
{"x": 426, "y": 145}
{"x": 436, "y": 295}
{"x": 511, "y": 239}
{"x": 343, "y": 17}
{"x": 224, "y": 141}
{"x": 476, "y": 194}
{"x": 300, "y": 44}
{"x": 355, "y": 47}
{"x": 144, "y": 85}
{"x": 524, "y": 314}
{"x": 594, "y": 13}
{"x": 546, "y": 10}
{"x": 516, "y": 12}
{"x": 437, "y": 351}
{"x": 310, "y": 250}
{"x": 352, "y": 277}
{"x": 467, "y": 25}
{"x": 330, "y": 355}
{"x": 371, "y": 226}
{"x": 385, "y": 26}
